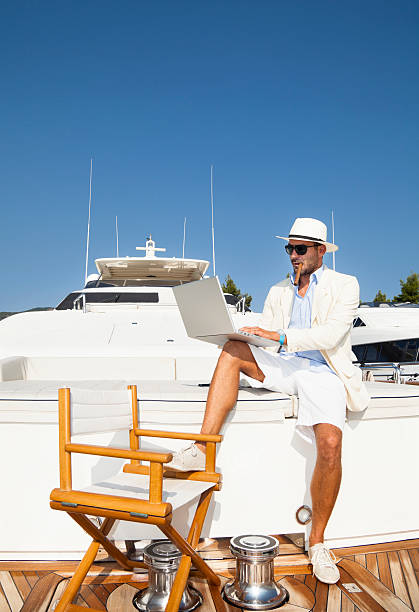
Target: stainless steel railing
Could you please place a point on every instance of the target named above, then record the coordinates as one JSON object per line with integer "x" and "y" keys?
{"x": 395, "y": 366}
{"x": 80, "y": 302}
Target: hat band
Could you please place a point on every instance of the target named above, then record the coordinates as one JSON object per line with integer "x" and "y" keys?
{"x": 306, "y": 238}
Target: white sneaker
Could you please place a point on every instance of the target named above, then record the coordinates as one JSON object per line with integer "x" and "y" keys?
{"x": 324, "y": 563}
{"x": 188, "y": 459}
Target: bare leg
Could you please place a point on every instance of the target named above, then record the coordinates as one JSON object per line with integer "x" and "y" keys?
{"x": 236, "y": 357}
{"x": 326, "y": 478}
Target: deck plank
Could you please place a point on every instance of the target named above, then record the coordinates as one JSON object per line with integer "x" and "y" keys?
{"x": 58, "y": 593}
{"x": 372, "y": 587}
{"x": 300, "y": 595}
{"x": 311, "y": 581}
{"x": 334, "y": 598}
{"x": 13, "y": 596}
{"x": 397, "y": 575}
{"x": 321, "y": 597}
{"x": 121, "y": 598}
{"x": 414, "y": 557}
{"x": 91, "y": 598}
{"x": 42, "y": 593}
{"x": 101, "y": 593}
{"x": 4, "y": 606}
{"x": 372, "y": 564}
{"x": 207, "y": 604}
{"x": 410, "y": 578}
{"x": 382, "y": 547}
{"x": 384, "y": 570}
{"x": 21, "y": 584}
{"x": 363, "y": 600}
{"x": 347, "y": 604}
{"x": 81, "y": 602}
{"x": 31, "y": 577}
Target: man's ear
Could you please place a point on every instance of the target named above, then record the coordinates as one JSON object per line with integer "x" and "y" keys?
{"x": 322, "y": 249}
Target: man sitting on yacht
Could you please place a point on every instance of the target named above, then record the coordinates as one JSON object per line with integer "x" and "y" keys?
{"x": 312, "y": 322}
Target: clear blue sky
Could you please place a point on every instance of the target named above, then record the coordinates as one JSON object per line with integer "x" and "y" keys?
{"x": 302, "y": 107}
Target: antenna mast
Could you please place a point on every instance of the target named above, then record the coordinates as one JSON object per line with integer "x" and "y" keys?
{"x": 184, "y": 238}
{"x": 117, "y": 242}
{"x": 333, "y": 239}
{"x": 88, "y": 222}
{"x": 212, "y": 220}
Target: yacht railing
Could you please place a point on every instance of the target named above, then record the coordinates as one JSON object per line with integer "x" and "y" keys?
{"x": 395, "y": 366}
{"x": 241, "y": 305}
{"x": 80, "y": 302}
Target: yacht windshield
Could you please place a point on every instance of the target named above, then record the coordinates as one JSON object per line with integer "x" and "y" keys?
{"x": 394, "y": 351}
{"x": 108, "y": 297}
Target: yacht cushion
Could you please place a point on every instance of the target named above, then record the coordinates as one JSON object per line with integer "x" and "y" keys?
{"x": 100, "y": 368}
{"x": 170, "y": 403}
{"x": 389, "y": 400}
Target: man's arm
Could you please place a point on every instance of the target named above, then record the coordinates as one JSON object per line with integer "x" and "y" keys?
{"x": 326, "y": 336}
{"x": 266, "y": 321}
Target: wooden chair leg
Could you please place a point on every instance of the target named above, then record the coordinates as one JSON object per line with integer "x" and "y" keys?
{"x": 110, "y": 548}
{"x": 186, "y": 548}
{"x": 189, "y": 554}
{"x": 179, "y": 584}
{"x": 78, "y": 577}
{"x": 182, "y": 574}
{"x": 83, "y": 568}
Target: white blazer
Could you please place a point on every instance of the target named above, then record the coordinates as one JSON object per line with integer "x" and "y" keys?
{"x": 335, "y": 302}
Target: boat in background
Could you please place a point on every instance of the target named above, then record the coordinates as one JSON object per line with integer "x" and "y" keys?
{"x": 385, "y": 341}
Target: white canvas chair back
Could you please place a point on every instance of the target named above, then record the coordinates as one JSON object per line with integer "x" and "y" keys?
{"x": 100, "y": 411}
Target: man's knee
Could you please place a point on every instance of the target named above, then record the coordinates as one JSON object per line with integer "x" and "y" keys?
{"x": 329, "y": 446}
{"x": 236, "y": 350}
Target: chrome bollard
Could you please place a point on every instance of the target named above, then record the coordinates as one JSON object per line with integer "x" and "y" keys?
{"x": 162, "y": 559}
{"x": 254, "y": 587}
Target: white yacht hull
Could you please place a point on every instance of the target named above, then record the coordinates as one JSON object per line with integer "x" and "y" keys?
{"x": 266, "y": 467}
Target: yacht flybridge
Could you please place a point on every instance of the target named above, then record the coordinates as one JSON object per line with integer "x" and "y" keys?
{"x": 135, "y": 280}
{"x": 124, "y": 328}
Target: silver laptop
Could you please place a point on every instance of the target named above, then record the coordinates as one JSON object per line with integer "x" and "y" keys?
{"x": 206, "y": 317}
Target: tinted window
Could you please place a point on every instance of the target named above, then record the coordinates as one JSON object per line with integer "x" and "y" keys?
{"x": 398, "y": 350}
{"x": 110, "y": 298}
{"x": 358, "y": 323}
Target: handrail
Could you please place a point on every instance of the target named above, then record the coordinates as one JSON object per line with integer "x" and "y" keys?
{"x": 385, "y": 365}
{"x": 76, "y": 302}
{"x": 241, "y": 305}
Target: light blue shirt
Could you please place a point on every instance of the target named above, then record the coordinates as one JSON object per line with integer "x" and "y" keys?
{"x": 301, "y": 315}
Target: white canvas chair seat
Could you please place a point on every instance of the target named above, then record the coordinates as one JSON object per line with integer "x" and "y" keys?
{"x": 176, "y": 492}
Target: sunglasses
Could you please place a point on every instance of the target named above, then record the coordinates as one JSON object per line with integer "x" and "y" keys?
{"x": 300, "y": 249}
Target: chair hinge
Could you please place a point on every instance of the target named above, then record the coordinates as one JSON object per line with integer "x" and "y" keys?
{"x": 138, "y": 514}
{"x": 69, "y": 504}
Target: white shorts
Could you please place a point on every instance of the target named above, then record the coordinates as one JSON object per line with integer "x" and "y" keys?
{"x": 321, "y": 393}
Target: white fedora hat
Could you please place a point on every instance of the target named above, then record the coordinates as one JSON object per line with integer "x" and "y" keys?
{"x": 314, "y": 230}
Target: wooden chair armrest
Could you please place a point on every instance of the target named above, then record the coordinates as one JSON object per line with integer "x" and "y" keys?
{"x": 121, "y": 453}
{"x": 177, "y": 435}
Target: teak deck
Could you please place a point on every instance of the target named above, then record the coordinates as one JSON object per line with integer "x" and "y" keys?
{"x": 385, "y": 577}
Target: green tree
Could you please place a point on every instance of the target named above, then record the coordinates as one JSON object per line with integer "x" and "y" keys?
{"x": 229, "y": 286}
{"x": 381, "y": 297}
{"x": 409, "y": 289}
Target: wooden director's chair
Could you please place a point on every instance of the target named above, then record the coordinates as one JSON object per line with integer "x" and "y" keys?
{"x": 114, "y": 500}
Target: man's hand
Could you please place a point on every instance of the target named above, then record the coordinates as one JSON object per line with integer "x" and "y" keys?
{"x": 263, "y": 333}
